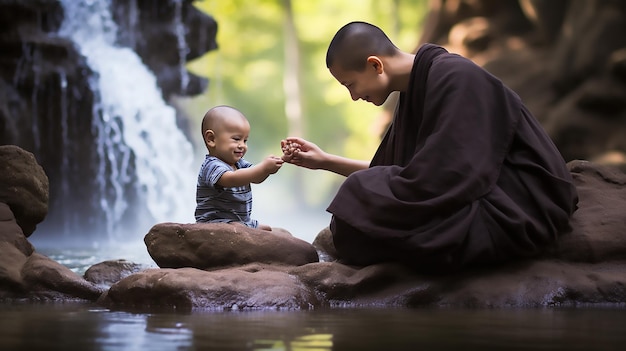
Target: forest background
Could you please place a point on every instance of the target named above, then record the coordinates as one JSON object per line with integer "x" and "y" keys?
{"x": 270, "y": 64}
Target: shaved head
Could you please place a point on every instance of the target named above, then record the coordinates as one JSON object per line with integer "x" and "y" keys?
{"x": 215, "y": 117}
{"x": 354, "y": 43}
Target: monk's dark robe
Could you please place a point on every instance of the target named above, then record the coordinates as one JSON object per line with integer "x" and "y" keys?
{"x": 465, "y": 175}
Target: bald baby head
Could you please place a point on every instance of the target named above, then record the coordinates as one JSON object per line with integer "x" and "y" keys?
{"x": 219, "y": 115}
{"x": 354, "y": 43}
{"x": 223, "y": 119}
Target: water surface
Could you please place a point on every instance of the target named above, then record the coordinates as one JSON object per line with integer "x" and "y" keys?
{"x": 85, "y": 326}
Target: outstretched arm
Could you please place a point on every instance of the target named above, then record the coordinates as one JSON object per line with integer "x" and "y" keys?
{"x": 306, "y": 154}
{"x": 255, "y": 174}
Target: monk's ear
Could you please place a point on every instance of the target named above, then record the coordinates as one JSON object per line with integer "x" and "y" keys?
{"x": 209, "y": 137}
{"x": 376, "y": 63}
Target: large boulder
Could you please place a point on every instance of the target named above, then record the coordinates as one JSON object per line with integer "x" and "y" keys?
{"x": 23, "y": 186}
{"x": 46, "y": 279}
{"x": 11, "y": 233}
{"x": 219, "y": 245}
{"x": 599, "y": 223}
{"x": 531, "y": 283}
{"x": 246, "y": 287}
{"x": 24, "y": 273}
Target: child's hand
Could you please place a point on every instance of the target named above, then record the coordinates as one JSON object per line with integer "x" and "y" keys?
{"x": 271, "y": 164}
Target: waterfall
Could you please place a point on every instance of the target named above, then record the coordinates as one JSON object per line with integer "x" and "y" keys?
{"x": 132, "y": 124}
{"x": 181, "y": 45}
{"x": 65, "y": 159}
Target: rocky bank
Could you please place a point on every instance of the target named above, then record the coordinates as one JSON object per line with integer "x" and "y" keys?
{"x": 225, "y": 267}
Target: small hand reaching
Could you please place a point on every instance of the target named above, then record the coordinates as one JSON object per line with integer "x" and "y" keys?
{"x": 271, "y": 164}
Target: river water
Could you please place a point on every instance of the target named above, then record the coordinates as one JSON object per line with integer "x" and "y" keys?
{"x": 88, "y": 326}
{"x": 85, "y": 326}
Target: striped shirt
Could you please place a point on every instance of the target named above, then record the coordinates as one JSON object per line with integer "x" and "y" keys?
{"x": 215, "y": 203}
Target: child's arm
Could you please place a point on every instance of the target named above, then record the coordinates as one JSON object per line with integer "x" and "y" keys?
{"x": 255, "y": 174}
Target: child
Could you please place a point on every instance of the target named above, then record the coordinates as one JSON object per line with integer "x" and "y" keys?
{"x": 223, "y": 192}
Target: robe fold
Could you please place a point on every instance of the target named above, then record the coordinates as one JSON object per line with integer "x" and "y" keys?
{"x": 464, "y": 175}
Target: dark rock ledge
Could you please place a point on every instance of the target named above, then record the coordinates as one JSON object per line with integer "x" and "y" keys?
{"x": 224, "y": 267}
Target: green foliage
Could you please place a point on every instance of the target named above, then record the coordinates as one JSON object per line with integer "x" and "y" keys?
{"x": 246, "y": 71}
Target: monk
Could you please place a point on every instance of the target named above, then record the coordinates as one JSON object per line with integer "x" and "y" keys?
{"x": 464, "y": 176}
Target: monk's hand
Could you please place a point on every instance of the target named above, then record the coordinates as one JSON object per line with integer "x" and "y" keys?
{"x": 290, "y": 150}
{"x": 303, "y": 153}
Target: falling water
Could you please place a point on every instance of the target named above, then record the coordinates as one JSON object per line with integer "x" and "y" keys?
{"x": 182, "y": 45}
{"x": 65, "y": 159}
{"x": 130, "y": 120}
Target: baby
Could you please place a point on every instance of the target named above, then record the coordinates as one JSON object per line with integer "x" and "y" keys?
{"x": 223, "y": 192}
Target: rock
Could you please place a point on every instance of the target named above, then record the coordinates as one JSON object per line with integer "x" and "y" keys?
{"x": 219, "y": 245}
{"x": 150, "y": 29}
{"x": 535, "y": 283}
{"x": 384, "y": 284}
{"x": 106, "y": 273}
{"x": 25, "y": 274}
{"x": 24, "y": 187}
{"x": 242, "y": 288}
{"x": 11, "y": 262}
{"x": 598, "y": 224}
{"x": 324, "y": 245}
{"x": 50, "y": 280}
{"x": 11, "y": 233}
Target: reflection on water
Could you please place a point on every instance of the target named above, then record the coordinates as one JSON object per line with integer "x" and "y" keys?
{"x": 80, "y": 326}
{"x": 312, "y": 342}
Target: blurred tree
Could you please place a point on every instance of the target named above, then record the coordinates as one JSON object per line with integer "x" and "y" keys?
{"x": 291, "y": 79}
